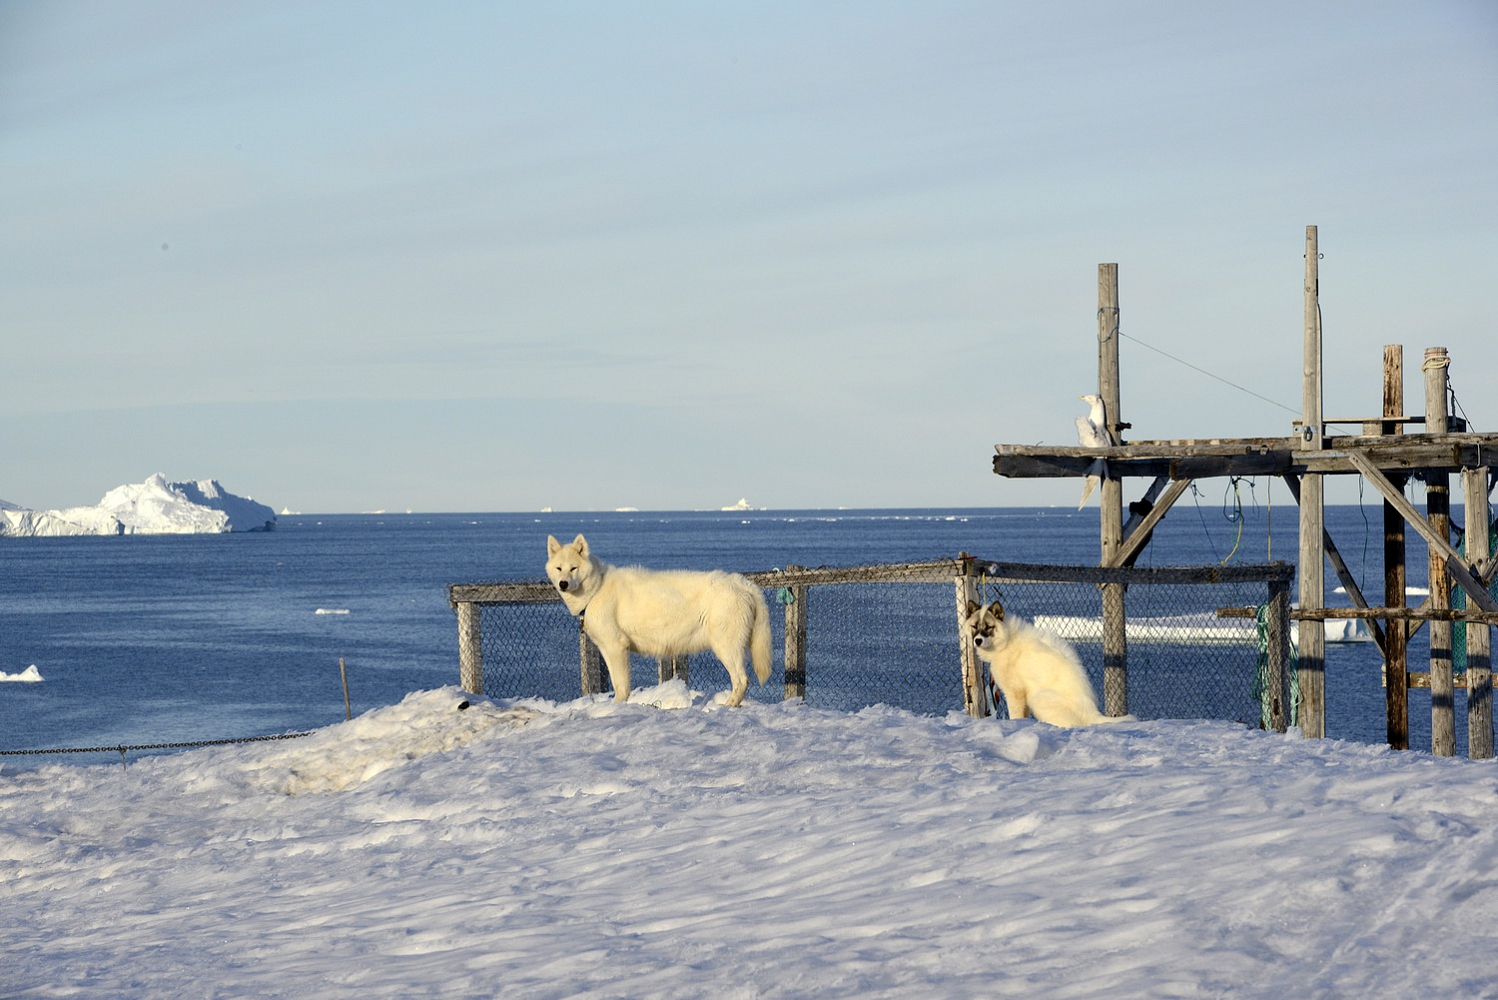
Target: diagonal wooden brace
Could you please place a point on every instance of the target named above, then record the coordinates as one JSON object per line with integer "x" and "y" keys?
{"x": 1455, "y": 564}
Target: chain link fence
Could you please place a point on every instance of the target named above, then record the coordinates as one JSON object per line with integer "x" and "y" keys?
{"x": 891, "y": 634}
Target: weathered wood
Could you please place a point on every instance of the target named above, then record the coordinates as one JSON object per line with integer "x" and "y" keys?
{"x": 973, "y": 698}
{"x": 1115, "y": 651}
{"x": 796, "y": 616}
{"x": 591, "y": 663}
{"x": 1334, "y": 556}
{"x": 1311, "y": 712}
{"x": 1035, "y": 573}
{"x": 1134, "y": 541}
{"x": 1421, "y": 679}
{"x": 1310, "y": 394}
{"x": 1277, "y": 643}
{"x": 934, "y": 571}
{"x": 1479, "y": 676}
{"x": 1396, "y": 633}
{"x": 676, "y": 667}
{"x": 470, "y": 649}
{"x": 1420, "y": 614}
{"x": 502, "y": 593}
{"x": 1410, "y": 453}
{"x": 1438, "y": 516}
{"x": 1454, "y": 563}
{"x": 1311, "y": 671}
{"x": 1110, "y": 520}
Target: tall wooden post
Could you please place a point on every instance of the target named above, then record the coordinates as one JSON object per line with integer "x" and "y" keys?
{"x": 1277, "y": 641}
{"x": 1312, "y": 671}
{"x": 470, "y": 649}
{"x": 591, "y": 664}
{"x": 973, "y": 697}
{"x": 1396, "y": 633}
{"x": 1438, "y": 514}
{"x": 674, "y": 667}
{"x": 1115, "y": 638}
{"x": 795, "y": 641}
{"x": 1479, "y": 636}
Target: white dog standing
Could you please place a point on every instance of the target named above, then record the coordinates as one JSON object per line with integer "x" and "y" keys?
{"x": 1038, "y": 673}
{"x": 662, "y": 613}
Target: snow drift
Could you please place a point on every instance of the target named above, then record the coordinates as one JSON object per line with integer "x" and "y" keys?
{"x": 667, "y": 848}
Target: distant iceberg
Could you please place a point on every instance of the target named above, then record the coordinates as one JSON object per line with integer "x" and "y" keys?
{"x": 155, "y": 507}
{"x": 30, "y": 675}
{"x": 743, "y": 504}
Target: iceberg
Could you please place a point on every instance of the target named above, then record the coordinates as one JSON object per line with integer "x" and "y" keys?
{"x": 155, "y": 507}
{"x": 28, "y": 676}
{"x": 743, "y": 504}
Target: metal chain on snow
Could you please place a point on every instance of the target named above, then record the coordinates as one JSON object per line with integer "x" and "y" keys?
{"x": 122, "y": 749}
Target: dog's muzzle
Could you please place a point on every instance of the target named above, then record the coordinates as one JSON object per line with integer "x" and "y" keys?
{"x": 562, "y": 585}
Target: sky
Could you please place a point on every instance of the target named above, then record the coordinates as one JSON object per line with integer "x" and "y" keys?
{"x": 478, "y": 256}
{"x": 668, "y": 848}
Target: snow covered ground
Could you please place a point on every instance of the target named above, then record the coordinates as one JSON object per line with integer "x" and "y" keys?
{"x": 671, "y": 848}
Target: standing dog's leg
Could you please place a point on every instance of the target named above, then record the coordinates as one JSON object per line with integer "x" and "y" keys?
{"x": 732, "y": 655}
{"x": 616, "y": 658}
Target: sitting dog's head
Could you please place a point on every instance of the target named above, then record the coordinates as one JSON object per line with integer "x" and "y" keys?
{"x": 567, "y": 565}
{"x": 985, "y": 623}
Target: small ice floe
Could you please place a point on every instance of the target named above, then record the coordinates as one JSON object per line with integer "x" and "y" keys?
{"x": 331, "y": 611}
{"x": 28, "y": 676}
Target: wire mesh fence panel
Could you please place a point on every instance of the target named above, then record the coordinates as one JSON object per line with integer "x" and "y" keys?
{"x": 530, "y": 651}
{"x": 883, "y": 643}
{"x": 1183, "y": 660}
{"x": 893, "y": 639}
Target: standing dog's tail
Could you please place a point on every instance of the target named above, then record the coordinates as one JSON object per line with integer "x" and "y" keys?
{"x": 759, "y": 638}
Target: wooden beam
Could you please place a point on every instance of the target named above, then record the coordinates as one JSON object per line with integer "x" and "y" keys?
{"x": 1454, "y": 563}
{"x": 1349, "y": 582}
{"x": 1389, "y": 614}
{"x": 1125, "y": 553}
{"x": 1413, "y": 454}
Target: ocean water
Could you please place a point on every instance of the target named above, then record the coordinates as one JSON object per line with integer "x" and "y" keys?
{"x": 162, "y": 639}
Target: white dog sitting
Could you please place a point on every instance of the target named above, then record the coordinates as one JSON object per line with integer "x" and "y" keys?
{"x": 1038, "y": 673}
{"x": 662, "y": 613}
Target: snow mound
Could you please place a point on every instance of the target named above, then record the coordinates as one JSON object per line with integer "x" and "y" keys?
{"x": 155, "y": 507}
{"x": 535, "y": 850}
{"x": 344, "y": 756}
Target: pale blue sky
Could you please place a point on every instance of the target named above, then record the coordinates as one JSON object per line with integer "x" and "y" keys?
{"x": 500, "y": 256}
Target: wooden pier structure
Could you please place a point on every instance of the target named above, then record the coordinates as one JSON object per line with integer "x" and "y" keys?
{"x": 1382, "y": 453}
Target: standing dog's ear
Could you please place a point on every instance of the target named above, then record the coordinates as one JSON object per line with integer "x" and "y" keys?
{"x": 581, "y": 544}
{"x": 973, "y": 607}
{"x": 552, "y": 546}
{"x": 997, "y": 609}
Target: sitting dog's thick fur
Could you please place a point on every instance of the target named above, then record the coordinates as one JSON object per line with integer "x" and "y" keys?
{"x": 1038, "y": 673}
{"x": 662, "y": 613}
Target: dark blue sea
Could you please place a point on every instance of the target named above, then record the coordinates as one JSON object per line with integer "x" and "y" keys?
{"x": 163, "y": 639}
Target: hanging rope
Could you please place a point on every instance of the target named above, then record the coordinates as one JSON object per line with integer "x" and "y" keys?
{"x": 1234, "y": 515}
